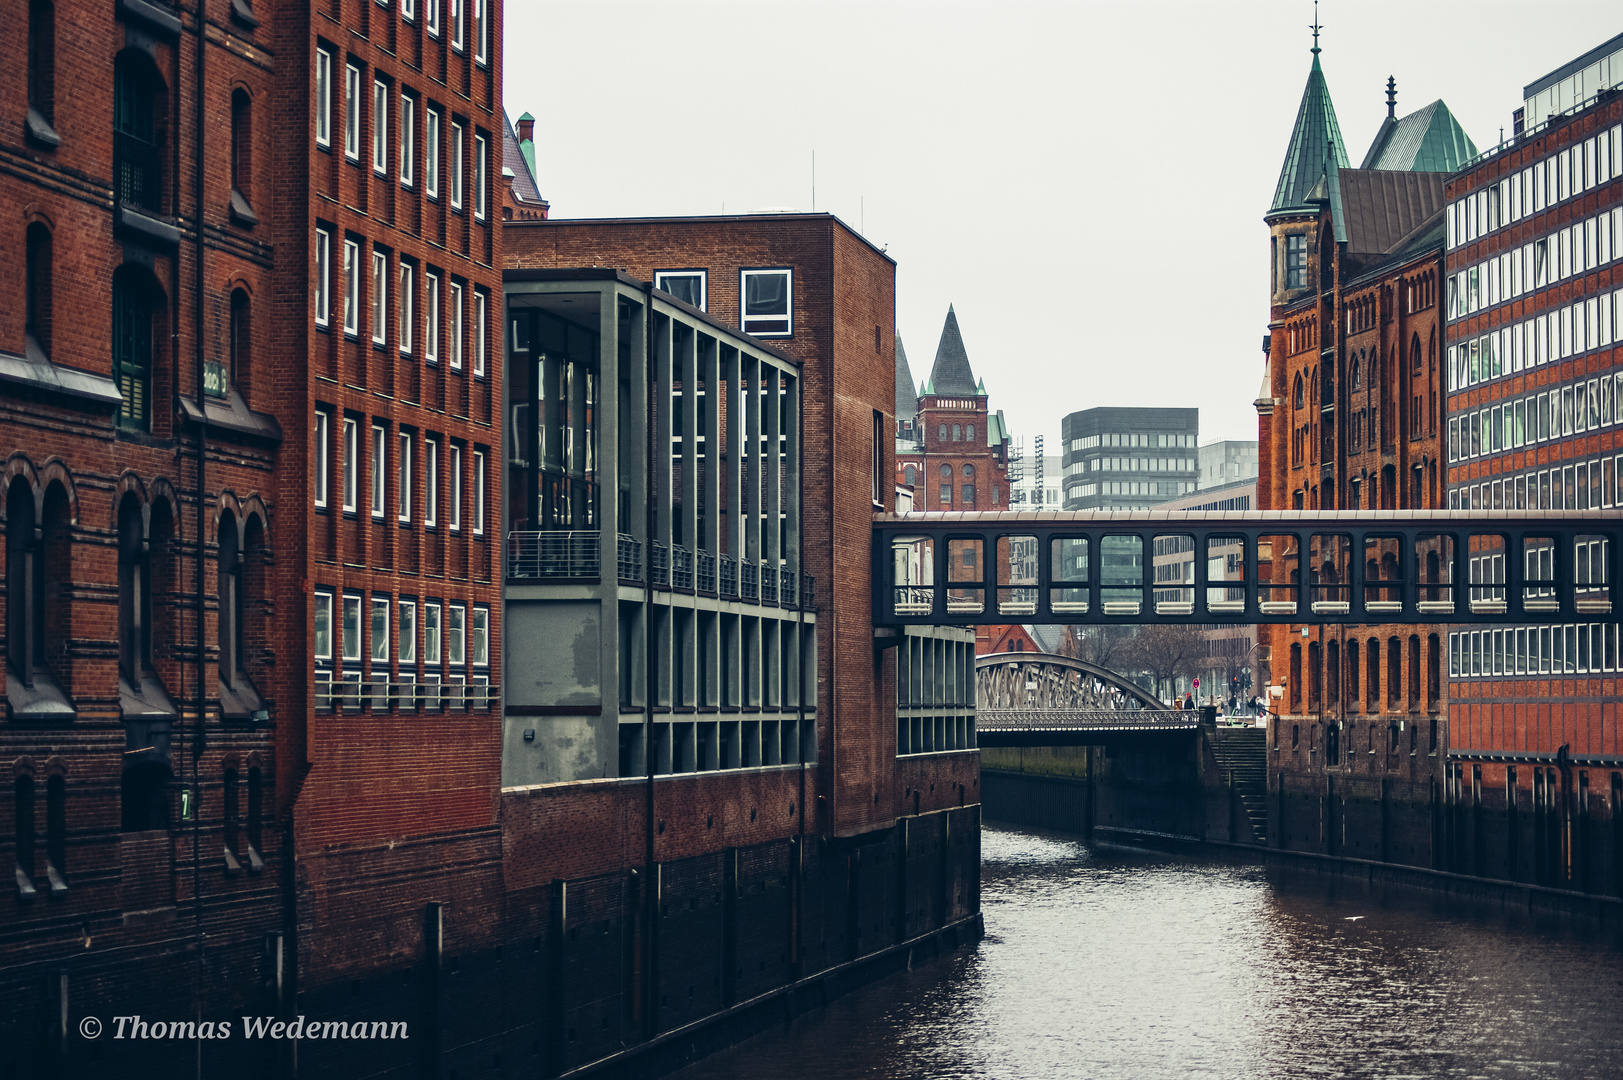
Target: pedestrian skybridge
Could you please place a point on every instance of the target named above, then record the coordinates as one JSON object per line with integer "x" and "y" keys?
{"x": 1338, "y": 566}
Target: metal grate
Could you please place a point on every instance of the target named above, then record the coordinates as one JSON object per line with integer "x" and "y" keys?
{"x": 769, "y": 584}
{"x": 558, "y": 553}
{"x": 808, "y": 591}
{"x": 729, "y": 576}
{"x": 707, "y": 571}
{"x": 749, "y": 578}
{"x": 787, "y": 579}
{"x": 383, "y": 696}
{"x": 681, "y": 567}
{"x": 659, "y": 564}
{"x": 628, "y": 552}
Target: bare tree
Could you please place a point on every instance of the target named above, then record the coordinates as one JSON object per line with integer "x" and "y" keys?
{"x": 1166, "y": 651}
{"x": 1104, "y": 646}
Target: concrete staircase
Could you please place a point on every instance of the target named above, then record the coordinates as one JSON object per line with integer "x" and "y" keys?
{"x": 1242, "y": 757}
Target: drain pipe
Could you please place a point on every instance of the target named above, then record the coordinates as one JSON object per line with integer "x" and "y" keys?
{"x": 650, "y": 675}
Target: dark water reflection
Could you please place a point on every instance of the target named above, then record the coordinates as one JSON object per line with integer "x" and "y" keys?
{"x": 1107, "y": 965}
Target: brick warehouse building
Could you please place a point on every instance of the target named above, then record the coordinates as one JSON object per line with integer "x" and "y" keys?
{"x": 187, "y": 797}
{"x": 1350, "y": 417}
{"x": 1535, "y": 782}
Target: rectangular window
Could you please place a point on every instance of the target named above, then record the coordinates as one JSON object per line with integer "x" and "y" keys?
{"x": 408, "y": 314}
{"x": 480, "y": 636}
{"x": 380, "y": 633}
{"x": 431, "y": 481}
{"x": 320, "y": 455}
{"x": 323, "y": 97}
{"x": 456, "y": 488}
{"x": 1296, "y": 262}
{"x": 405, "y": 477}
{"x": 481, "y": 31}
{"x": 380, "y": 297}
{"x": 406, "y": 631}
{"x": 456, "y": 326}
{"x": 352, "y": 287}
{"x": 431, "y": 154}
{"x": 352, "y": 112}
{"x": 878, "y": 459}
{"x": 380, "y": 445}
{"x": 687, "y": 286}
{"x": 456, "y": 635}
{"x": 350, "y": 631}
{"x": 323, "y": 627}
{"x": 458, "y": 13}
{"x": 456, "y": 165}
{"x": 479, "y": 331}
{"x": 479, "y": 492}
{"x": 380, "y": 128}
{"x": 431, "y": 16}
{"x": 479, "y": 177}
{"x": 323, "y": 277}
{"x": 408, "y": 140}
{"x": 352, "y": 462}
{"x": 768, "y": 306}
{"x": 408, "y": 10}
{"x": 431, "y": 633}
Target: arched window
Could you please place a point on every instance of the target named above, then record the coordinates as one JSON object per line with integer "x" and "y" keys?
{"x": 242, "y": 144}
{"x": 1296, "y": 678}
{"x": 37, "y": 293}
{"x": 1372, "y": 673}
{"x": 1394, "y": 671}
{"x": 1300, "y": 398}
{"x": 238, "y": 370}
{"x": 908, "y": 475}
{"x": 946, "y": 472}
{"x": 957, "y": 433}
{"x": 941, "y": 433}
{"x": 969, "y": 433}
{"x": 24, "y": 823}
{"x": 42, "y": 71}
{"x": 1357, "y": 372}
{"x": 56, "y": 832}
{"x": 134, "y": 594}
{"x": 229, "y": 796}
{"x": 238, "y": 581}
{"x": 969, "y": 471}
{"x": 139, "y": 106}
{"x": 1414, "y": 356}
{"x": 133, "y": 312}
{"x": 256, "y": 806}
{"x": 38, "y": 622}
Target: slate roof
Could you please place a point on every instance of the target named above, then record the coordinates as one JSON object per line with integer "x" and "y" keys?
{"x": 950, "y": 376}
{"x": 907, "y": 401}
{"x": 513, "y": 160}
{"x": 1047, "y": 635}
{"x": 1427, "y": 140}
{"x": 1316, "y": 149}
{"x": 1382, "y": 208}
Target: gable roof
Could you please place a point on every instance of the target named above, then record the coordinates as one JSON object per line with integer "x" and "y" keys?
{"x": 1427, "y": 140}
{"x": 1316, "y": 149}
{"x": 951, "y": 375}
{"x": 907, "y": 402}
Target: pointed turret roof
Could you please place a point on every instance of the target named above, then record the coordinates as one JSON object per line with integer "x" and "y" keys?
{"x": 950, "y": 374}
{"x": 907, "y": 402}
{"x": 1427, "y": 140}
{"x": 1316, "y": 150}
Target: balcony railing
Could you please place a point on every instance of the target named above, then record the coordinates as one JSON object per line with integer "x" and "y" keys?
{"x": 787, "y": 579}
{"x": 808, "y": 591}
{"x": 681, "y": 567}
{"x": 553, "y": 553}
{"x": 140, "y": 173}
{"x": 628, "y": 552}
{"x": 659, "y": 564}
{"x": 729, "y": 576}
{"x": 707, "y": 571}
{"x": 749, "y": 580}
{"x": 769, "y": 584}
{"x": 385, "y": 695}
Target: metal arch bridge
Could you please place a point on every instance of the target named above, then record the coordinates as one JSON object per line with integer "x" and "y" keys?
{"x": 1044, "y": 699}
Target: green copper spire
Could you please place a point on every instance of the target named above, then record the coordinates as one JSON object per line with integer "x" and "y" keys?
{"x": 1316, "y": 149}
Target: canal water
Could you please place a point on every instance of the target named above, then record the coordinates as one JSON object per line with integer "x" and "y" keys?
{"x": 1105, "y": 964}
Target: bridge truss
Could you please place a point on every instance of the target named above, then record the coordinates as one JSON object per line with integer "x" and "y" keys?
{"x": 1043, "y": 699}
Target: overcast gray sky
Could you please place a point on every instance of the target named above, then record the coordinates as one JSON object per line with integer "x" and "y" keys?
{"x": 1084, "y": 181}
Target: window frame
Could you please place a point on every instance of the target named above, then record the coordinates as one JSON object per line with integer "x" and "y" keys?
{"x": 380, "y": 297}
{"x": 431, "y": 17}
{"x": 431, "y": 152}
{"x": 478, "y": 492}
{"x": 321, "y": 432}
{"x": 352, "y": 112}
{"x": 454, "y": 522}
{"x": 455, "y": 171}
{"x": 431, "y": 328}
{"x": 323, "y": 600}
{"x": 352, "y": 464}
{"x": 380, "y": 463}
{"x": 323, "y": 277}
{"x": 323, "y": 93}
{"x": 701, "y": 274}
{"x": 479, "y": 637}
{"x": 406, "y": 308}
{"x": 380, "y": 126}
{"x": 456, "y": 302}
{"x": 352, "y": 287}
{"x": 403, "y": 468}
{"x": 481, "y": 149}
{"x": 456, "y": 635}
{"x": 459, "y": 10}
{"x": 481, "y": 32}
{"x": 351, "y": 601}
{"x": 408, "y": 138}
{"x": 481, "y": 303}
{"x": 788, "y": 318}
{"x": 431, "y": 481}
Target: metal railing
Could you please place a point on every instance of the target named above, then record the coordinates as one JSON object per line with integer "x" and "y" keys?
{"x": 659, "y": 564}
{"x": 707, "y": 571}
{"x": 139, "y": 165}
{"x": 769, "y": 583}
{"x": 628, "y": 557}
{"x": 749, "y": 580}
{"x": 1071, "y": 719}
{"x": 681, "y": 567}
{"x": 557, "y": 553}
{"x": 787, "y": 580}
{"x": 729, "y": 576}
{"x": 385, "y": 695}
{"x": 808, "y": 591}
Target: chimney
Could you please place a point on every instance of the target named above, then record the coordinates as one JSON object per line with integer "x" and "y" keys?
{"x": 526, "y": 128}
{"x": 1391, "y": 97}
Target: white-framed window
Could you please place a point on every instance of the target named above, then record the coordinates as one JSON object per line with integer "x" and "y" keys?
{"x": 479, "y": 637}
{"x": 323, "y": 277}
{"x": 768, "y": 305}
{"x": 479, "y": 333}
{"x": 431, "y": 331}
{"x": 380, "y": 297}
{"x": 479, "y": 177}
{"x": 456, "y": 326}
{"x": 352, "y": 462}
{"x": 455, "y": 178}
{"x": 323, "y": 97}
{"x": 431, "y": 16}
{"x": 349, "y": 638}
{"x": 352, "y": 112}
{"x": 456, "y": 488}
{"x": 380, "y": 633}
{"x": 321, "y": 454}
{"x": 431, "y": 153}
{"x": 405, "y": 476}
{"x": 408, "y": 10}
{"x": 406, "y": 631}
{"x": 323, "y": 626}
{"x": 408, "y": 139}
{"x": 380, "y": 452}
{"x": 688, "y": 286}
{"x": 456, "y": 626}
{"x": 431, "y": 632}
{"x": 431, "y": 481}
{"x": 478, "y": 493}
{"x": 458, "y": 13}
{"x": 380, "y": 127}
{"x": 481, "y": 30}
{"x": 352, "y": 287}
{"x": 407, "y": 305}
